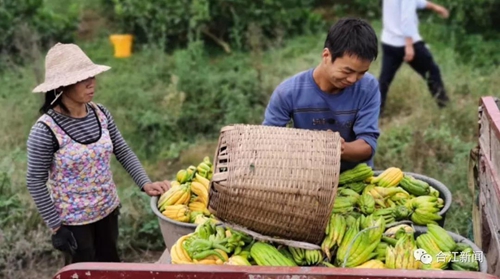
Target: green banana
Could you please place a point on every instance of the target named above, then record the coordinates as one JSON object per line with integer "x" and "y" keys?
{"x": 414, "y": 186}
{"x": 442, "y": 238}
{"x": 346, "y": 241}
{"x": 366, "y": 203}
{"x": 358, "y": 187}
{"x": 346, "y": 192}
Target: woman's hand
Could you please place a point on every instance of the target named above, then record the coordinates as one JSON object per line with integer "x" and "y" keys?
{"x": 156, "y": 188}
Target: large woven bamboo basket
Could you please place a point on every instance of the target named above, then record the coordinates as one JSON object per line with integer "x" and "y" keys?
{"x": 276, "y": 181}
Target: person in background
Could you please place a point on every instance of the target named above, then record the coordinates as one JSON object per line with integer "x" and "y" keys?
{"x": 338, "y": 94}
{"x": 69, "y": 148}
{"x": 401, "y": 41}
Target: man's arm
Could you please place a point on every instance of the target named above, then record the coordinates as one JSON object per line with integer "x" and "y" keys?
{"x": 440, "y": 10}
{"x": 365, "y": 128}
{"x": 279, "y": 109}
{"x": 408, "y": 26}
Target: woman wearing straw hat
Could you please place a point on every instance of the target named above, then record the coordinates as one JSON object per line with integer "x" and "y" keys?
{"x": 69, "y": 148}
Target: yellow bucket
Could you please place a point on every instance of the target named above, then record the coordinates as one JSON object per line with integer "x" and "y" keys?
{"x": 122, "y": 45}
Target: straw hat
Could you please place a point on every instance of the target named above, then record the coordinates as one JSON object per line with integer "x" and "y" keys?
{"x": 67, "y": 64}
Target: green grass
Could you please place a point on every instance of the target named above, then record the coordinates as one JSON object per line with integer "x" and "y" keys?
{"x": 162, "y": 103}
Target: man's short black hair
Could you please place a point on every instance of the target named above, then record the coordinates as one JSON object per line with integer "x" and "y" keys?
{"x": 352, "y": 36}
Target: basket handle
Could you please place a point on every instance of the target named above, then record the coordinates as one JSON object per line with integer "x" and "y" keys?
{"x": 221, "y": 176}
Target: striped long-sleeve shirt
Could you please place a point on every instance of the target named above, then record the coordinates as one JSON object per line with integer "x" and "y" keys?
{"x": 41, "y": 147}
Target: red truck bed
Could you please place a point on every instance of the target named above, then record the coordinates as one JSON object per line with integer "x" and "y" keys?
{"x": 167, "y": 271}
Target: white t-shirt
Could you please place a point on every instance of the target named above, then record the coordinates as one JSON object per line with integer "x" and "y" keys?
{"x": 400, "y": 20}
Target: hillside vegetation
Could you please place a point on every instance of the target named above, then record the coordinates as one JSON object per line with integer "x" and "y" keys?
{"x": 170, "y": 101}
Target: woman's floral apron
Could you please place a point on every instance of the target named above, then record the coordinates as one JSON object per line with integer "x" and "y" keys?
{"x": 80, "y": 179}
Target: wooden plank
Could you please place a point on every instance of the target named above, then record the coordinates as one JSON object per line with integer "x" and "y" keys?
{"x": 484, "y": 135}
{"x": 489, "y": 203}
{"x": 495, "y": 152}
{"x": 490, "y": 107}
{"x": 487, "y": 214}
{"x": 475, "y": 191}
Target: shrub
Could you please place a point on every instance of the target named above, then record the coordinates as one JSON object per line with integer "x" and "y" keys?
{"x": 27, "y": 22}
{"x": 173, "y": 23}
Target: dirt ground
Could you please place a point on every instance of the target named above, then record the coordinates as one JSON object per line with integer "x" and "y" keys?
{"x": 46, "y": 269}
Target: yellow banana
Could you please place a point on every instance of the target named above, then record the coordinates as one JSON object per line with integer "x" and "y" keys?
{"x": 177, "y": 212}
{"x": 388, "y": 178}
{"x": 204, "y": 181}
{"x": 175, "y": 257}
{"x": 201, "y": 199}
{"x": 181, "y": 253}
{"x": 372, "y": 264}
{"x": 199, "y": 189}
{"x": 199, "y": 206}
{"x": 180, "y": 247}
{"x": 224, "y": 254}
{"x": 390, "y": 258}
{"x": 184, "y": 199}
{"x": 165, "y": 196}
{"x": 173, "y": 195}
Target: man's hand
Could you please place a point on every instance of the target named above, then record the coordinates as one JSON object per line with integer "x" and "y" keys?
{"x": 156, "y": 188}
{"x": 438, "y": 9}
{"x": 409, "y": 53}
{"x": 342, "y": 145}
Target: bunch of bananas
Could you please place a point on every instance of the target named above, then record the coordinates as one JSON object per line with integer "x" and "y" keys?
{"x": 178, "y": 252}
{"x": 440, "y": 258}
{"x": 388, "y": 178}
{"x": 334, "y": 233}
{"x": 360, "y": 241}
{"x": 401, "y": 256}
{"x": 304, "y": 257}
{"x": 381, "y": 250}
{"x": 425, "y": 209}
{"x": 387, "y": 213}
{"x": 359, "y": 173}
{"x": 204, "y": 169}
{"x": 382, "y": 195}
{"x": 211, "y": 244}
{"x": 366, "y": 203}
{"x": 237, "y": 260}
{"x": 176, "y": 195}
{"x": 467, "y": 262}
{"x": 345, "y": 200}
{"x": 375, "y": 263}
{"x": 187, "y": 199}
{"x": 265, "y": 254}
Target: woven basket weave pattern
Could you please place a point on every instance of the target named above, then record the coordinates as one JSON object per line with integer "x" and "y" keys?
{"x": 276, "y": 181}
